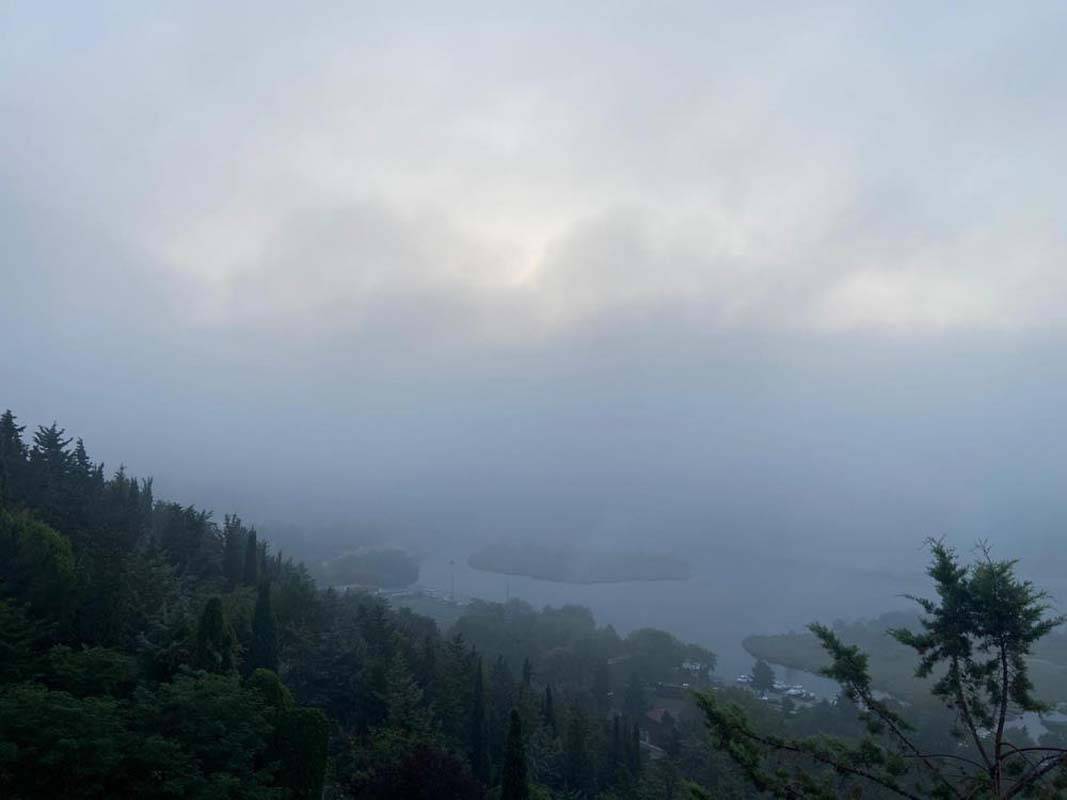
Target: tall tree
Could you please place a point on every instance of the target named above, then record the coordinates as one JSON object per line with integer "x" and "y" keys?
{"x": 635, "y": 703}
{"x": 548, "y": 712}
{"x": 601, "y": 688}
{"x": 514, "y": 784}
{"x": 527, "y": 672}
{"x": 977, "y": 636}
{"x": 214, "y": 639}
{"x": 577, "y": 764}
{"x": 264, "y": 651}
{"x": 477, "y": 741}
{"x": 635, "y": 749}
{"x": 233, "y": 543}
{"x": 762, "y": 676}
{"x": 501, "y": 701}
{"x": 12, "y": 457}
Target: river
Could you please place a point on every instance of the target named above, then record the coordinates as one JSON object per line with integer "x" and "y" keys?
{"x": 728, "y": 597}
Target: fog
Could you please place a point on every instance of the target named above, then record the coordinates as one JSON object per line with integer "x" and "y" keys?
{"x": 730, "y": 280}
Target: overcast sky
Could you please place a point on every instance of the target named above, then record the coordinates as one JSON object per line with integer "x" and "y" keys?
{"x": 721, "y": 269}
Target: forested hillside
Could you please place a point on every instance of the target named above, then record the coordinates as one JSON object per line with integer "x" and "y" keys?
{"x": 150, "y": 650}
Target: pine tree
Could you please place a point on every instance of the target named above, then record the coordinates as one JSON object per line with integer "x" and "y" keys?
{"x": 264, "y": 651}
{"x": 514, "y": 782}
{"x": 404, "y": 699}
{"x": 251, "y": 567}
{"x": 478, "y": 750}
{"x": 12, "y": 457}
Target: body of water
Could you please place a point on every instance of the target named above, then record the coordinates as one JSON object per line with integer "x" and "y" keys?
{"x": 727, "y": 598}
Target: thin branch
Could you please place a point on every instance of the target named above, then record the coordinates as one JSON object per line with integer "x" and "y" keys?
{"x": 964, "y": 759}
{"x": 1037, "y": 773}
{"x": 888, "y": 719}
{"x": 830, "y": 762}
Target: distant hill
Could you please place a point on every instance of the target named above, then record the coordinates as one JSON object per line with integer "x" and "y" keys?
{"x": 569, "y": 565}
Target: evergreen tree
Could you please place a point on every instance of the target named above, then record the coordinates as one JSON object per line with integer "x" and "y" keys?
{"x": 577, "y": 766}
{"x": 214, "y": 639}
{"x": 501, "y": 701}
{"x": 233, "y": 542}
{"x": 616, "y": 750}
{"x": 634, "y": 703}
{"x": 404, "y": 699}
{"x": 250, "y": 574}
{"x": 635, "y": 750}
{"x": 548, "y": 712}
{"x": 527, "y": 672}
{"x": 301, "y": 746}
{"x": 477, "y": 742}
{"x": 601, "y": 687}
{"x": 762, "y": 676}
{"x": 12, "y": 457}
{"x": 50, "y": 467}
{"x": 264, "y": 650}
{"x": 514, "y": 784}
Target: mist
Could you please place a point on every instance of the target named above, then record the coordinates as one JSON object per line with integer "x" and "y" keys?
{"x": 733, "y": 281}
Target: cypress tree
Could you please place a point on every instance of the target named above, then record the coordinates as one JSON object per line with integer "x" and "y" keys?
{"x": 615, "y": 754}
{"x": 577, "y": 767}
{"x": 264, "y": 651}
{"x": 214, "y": 639}
{"x": 548, "y": 712}
{"x": 478, "y": 738}
{"x": 514, "y": 783}
{"x": 233, "y": 537}
{"x": 251, "y": 570}
{"x": 635, "y": 751}
{"x": 527, "y": 672}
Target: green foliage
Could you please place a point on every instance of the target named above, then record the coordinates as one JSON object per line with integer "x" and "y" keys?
{"x": 392, "y": 766}
{"x": 53, "y": 744}
{"x": 478, "y": 737}
{"x": 36, "y": 566}
{"x": 515, "y": 784}
{"x": 123, "y": 620}
{"x": 271, "y": 690}
{"x": 91, "y": 671}
{"x": 300, "y": 748}
{"x": 264, "y": 650}
{"x": 635, "y": 701}
{"x": 214, "y": 639}
{"x": 978, "y": 633}
{"x": 762, "y": 676}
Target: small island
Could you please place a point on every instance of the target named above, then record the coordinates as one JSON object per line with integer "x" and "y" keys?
{"x": 569, "y": 565}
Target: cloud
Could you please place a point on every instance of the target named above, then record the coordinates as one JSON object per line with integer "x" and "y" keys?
{"x": 744, "y": 260}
